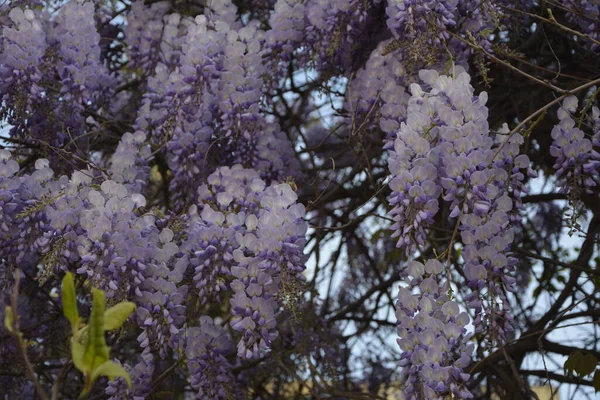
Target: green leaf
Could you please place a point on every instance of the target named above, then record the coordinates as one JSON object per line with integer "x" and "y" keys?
{"x": 69, "y": 300}
{"x": 587, "y": 365}
{"x": 112, "y": 370}
{"x": 116, "y": 316}
{"x": 596, "y": 381}
{"x": 582, "y": 364}
{"x": 378, "y": 235}
{"x": 96, "y": 350}
{"x": 394, "y": 255}
{"x": 572, "y": 362}
{"x": 9, "y": 319}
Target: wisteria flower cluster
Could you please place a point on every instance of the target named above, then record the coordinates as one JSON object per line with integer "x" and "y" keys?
{"x": 210, "y": 109}
{"x": 249, "y": 237}
{"x": 584, "y": 14}
{"x": 24, "y": 45}
{"x": 253, "y": 179}
{"x": 144, "y": 34}
{"x": 333, "y": 30}
{"x": 35, "y": 52}
{"x": 432, "y": 335}
{"x": 380, "y": 85}
{"x": 436, "y": 28}
{"x": 577, "y": 163}
{"x": 444, "y": 156}
{"x": 244, "y": 236}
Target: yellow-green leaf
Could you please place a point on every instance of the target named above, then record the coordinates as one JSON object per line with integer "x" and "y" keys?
{"x": 88, "y": 345}
{"x": 116, "y": 316}
{"x": 77, "y": 350}
{"x": 9, "y": 319}
{"x": 69, "y": 300}
{"x": 96, "y": 351}
{"x": 87, "y": 386}
{"x": 112, "y": 370}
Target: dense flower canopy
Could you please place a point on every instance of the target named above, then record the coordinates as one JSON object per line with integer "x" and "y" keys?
{"x": 299, "y": 198}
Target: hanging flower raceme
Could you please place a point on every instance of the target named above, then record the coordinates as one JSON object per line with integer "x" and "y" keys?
{"x": 426, "y": 31}
{"x": 141, "y": 382}
{"x": 247, "y": 237}
{"x": 51, "y": 73}
{"x": 432, "y": 335}
{"x": 129, "y": 164}
{"x": 328, "y": 35}
{"x": 83, "y": 76}
{"x": 577, "y": 163}
{"x": 444, "y": 154}
{"x": 583, "y": 14}
{"x": 287, "y": 27}
{"x": 208, "y": 112}
{"x": 143, "y": 34}
{"x": 23, "y": 45}
{"x": 377, "y": 96}
{"x": 206, "y": 347}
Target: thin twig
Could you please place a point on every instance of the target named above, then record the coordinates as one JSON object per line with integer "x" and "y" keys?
{"x": 509, "y": 65}
{"x": 544, "y": 109}
{"x": 18, "y": 336}
{"x": 61, "y": 377}
{"x": 552, "y": 21}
